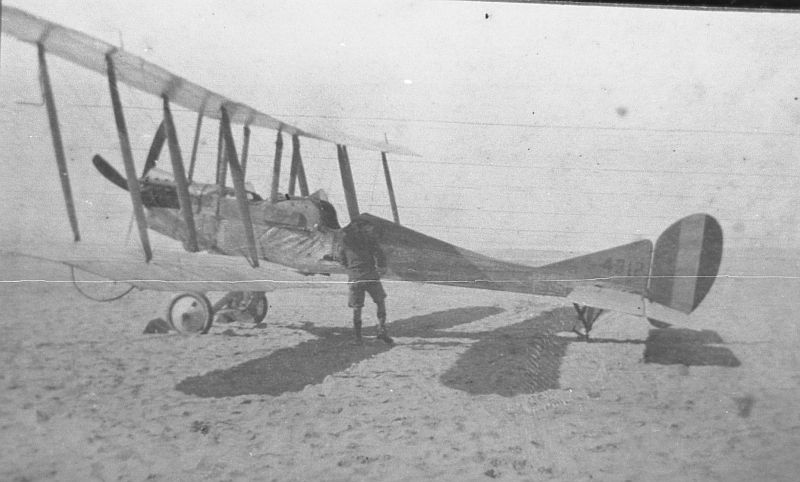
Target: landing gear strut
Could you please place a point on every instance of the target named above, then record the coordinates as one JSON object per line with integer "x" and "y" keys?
{"x": 253, "y": 303}
{"x": 587, "y": 316}
{"x": 192, "y": 313}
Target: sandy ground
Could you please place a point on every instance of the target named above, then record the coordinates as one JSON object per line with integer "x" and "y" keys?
{"x": 479, "y": 385}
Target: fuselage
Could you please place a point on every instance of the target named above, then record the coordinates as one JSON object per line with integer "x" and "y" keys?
{"x": 304, "y": 234}
{"x": 298, "y": 232}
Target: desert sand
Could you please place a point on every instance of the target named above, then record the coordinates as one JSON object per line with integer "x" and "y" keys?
{"x": 479, "y": 385}
{"x": 553, "y": 127}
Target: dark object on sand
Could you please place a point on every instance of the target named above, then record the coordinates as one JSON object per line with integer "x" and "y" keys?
{"x": 156, "y": 325}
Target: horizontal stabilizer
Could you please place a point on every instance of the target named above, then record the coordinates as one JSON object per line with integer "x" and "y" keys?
{"x": 625, "y": 302}
{"x": 659, "y": 312}
{"x": 608, "y": 299}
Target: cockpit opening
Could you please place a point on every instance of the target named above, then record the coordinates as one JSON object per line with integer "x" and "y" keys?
{"x": 328, "y": 216}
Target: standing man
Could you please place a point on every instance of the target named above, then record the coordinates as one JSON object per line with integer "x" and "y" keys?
{"x": 365, "y": 262}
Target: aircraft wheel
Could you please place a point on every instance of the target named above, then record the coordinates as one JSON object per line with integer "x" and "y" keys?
{"x": 257, "y": 306}
{"x": 190, "y": 313}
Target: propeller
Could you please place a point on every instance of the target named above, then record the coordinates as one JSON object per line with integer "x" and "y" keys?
{"x": 155, "y": 148}
{"x": 118, "y": 179}
{"x": 109, "y": 172}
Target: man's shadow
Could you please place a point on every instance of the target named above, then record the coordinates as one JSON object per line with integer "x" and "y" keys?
{"x": 524, "y": 357}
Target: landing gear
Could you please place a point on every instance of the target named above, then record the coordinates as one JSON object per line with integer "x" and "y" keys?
{"x": 587, "y": 316}
{"x": 253, "y": 303}
{"x": 190, "y": 313}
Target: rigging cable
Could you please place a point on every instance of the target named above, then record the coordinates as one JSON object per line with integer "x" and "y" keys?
{"x": 101, "y": 300}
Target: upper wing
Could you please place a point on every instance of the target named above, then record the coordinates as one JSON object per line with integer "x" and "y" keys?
{"x": 90, "y": 52}
{"x": 168, "y": 270}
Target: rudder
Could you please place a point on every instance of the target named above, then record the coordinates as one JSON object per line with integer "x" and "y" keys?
{"x": 685, "y": 263}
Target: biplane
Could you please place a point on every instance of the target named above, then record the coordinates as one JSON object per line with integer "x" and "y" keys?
{"x": 236, "y": 241}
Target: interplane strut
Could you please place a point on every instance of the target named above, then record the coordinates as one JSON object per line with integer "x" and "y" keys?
{"x": 127, "y": 159}
{"x": 390, "y": 188}
{"x": 245, "y": 149}
{"x": 347, "y": 181}
{"x": 238, "y": 186}
{"x": 276, "y": 169}
{"x": 58, "y": 144}
{"x": 181, "y": 183}
{"x": 300, "y": 170}
{"x": 195, "y": 144}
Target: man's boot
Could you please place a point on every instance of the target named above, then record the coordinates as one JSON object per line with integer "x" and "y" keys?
{"x": 357, "y": 325}
{"x": 382, "y": 335}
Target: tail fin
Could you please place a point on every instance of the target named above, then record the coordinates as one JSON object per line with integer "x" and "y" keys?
{"x": 685, "y": 262}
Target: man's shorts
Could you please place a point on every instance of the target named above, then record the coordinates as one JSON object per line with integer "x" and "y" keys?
{"x": 358, "y": 288}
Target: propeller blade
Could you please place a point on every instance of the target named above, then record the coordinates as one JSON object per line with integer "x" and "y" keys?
{"x": 109, "y": 172}
{"x": 155, "y": 148}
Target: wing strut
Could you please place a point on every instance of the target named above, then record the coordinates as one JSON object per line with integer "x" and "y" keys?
{"x": 238, "y": 185}
{"x": 127, "y": 159}
{"x": 347, "y": 181}
{"x": 182, "y": 185}
{"x": 301, "y": 172}
{"x": 389, "y": 187}
{"x": 245, "y": 149}
{"x": 58, "y": 144}
{"x": 195, "y": 144}
{"x": 276, "y": 169}
{"x": 293, "y": 168}
{"x": 221, "y": 166}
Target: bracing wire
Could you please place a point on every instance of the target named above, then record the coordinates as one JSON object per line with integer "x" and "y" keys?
{"x": 93, "y": 298}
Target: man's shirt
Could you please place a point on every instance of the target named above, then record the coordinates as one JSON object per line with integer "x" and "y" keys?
{"x": 361, "y": 256}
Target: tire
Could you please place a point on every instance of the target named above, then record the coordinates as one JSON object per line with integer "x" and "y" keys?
{"x": 190, "y": 313}
{"x": 258, "y": 306}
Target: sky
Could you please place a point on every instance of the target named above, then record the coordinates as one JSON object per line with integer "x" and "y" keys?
{"x": 538, "y": 126}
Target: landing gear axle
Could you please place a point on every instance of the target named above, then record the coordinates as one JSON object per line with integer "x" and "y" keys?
{"x": 253, "y": 303}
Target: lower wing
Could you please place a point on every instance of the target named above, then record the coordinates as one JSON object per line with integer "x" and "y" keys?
{"x": 168, "y": 270}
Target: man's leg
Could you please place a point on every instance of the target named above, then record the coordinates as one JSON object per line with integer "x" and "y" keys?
{"x": 356, "y": 302}
{"x": 379, "y": 297}
{"x": 382, "y": 332}
{"x": 381, "y": 303}
{"x": 357, "y": 323}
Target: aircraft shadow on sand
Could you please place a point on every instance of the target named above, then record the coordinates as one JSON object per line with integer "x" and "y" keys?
{"x": 526, "y": 357}
{"x": 291, "y": 369}
{"x": 521, "y": 358}
{"x": 682, "y": 346}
